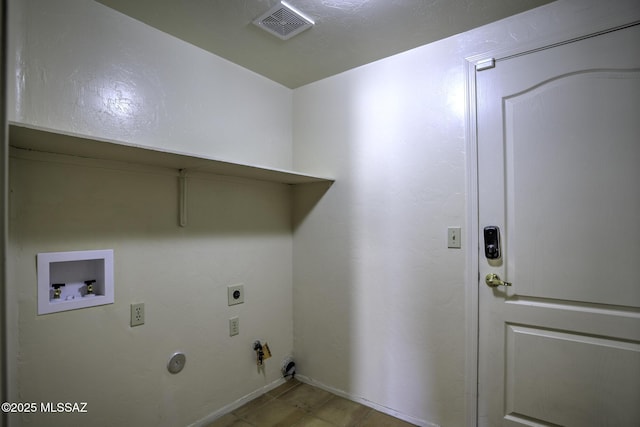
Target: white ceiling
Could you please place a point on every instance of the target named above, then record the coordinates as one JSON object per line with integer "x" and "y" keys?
{"x": 347, "y": 33}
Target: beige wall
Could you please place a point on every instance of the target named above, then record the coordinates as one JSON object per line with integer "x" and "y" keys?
{"x": 238, "y": 232}
{"x": 81, "y": 67}
{"x": 84, "y": 68}
{"x": 375, "y": 247}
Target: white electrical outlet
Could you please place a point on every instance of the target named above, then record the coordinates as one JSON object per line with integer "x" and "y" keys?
{"x": 137, "y": 314}
{"x": 234, "y": 326}
{"x": 235, "y": 294}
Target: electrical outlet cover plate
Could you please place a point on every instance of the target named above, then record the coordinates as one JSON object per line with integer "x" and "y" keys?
{"x": 234, "y": 326}
{"x": 235, "y": 294}
{"x": 137, "y": 314}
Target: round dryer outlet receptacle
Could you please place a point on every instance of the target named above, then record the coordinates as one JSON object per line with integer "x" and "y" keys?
{"x": 176, "y": 363}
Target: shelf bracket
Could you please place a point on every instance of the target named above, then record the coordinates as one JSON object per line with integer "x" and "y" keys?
{"x": 182, "y": 195}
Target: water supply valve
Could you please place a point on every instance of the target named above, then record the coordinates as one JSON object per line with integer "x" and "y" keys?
{"x": 89, "y": 284}
{"x": 57, "y": 291}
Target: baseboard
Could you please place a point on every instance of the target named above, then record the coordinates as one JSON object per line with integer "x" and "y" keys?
{"x": 365, "y": 402}
{"x": 238, "y": 403}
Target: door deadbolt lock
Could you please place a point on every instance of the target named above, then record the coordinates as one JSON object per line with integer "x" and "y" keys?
{"x": 492, "y": 242}
{"x": 493, "y": 280}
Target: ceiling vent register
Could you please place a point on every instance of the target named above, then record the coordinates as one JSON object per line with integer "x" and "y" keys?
{"x": 283, "y": 21}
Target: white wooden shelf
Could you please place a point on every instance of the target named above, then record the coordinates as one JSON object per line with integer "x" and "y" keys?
{"x": 52, "y": 141}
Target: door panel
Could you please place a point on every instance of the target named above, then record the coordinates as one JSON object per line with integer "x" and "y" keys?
{"x": 566, "y": 181}
{"x": 559, "y": 174}
{"x": 544, "y": 368}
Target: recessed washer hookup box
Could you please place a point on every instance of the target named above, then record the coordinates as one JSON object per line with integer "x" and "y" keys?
{"x": 72, "y": 280}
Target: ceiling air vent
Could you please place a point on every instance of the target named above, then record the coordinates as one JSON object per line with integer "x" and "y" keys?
{"x": 283, "y": 21}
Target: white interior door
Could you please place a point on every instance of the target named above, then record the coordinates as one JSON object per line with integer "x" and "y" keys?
{"x": 559, "y": 174}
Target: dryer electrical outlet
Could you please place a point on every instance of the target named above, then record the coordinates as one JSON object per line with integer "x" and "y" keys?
{"x": 235, "y": 294}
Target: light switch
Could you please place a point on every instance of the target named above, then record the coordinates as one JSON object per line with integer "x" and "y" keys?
{"x": 453, "y": 237}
